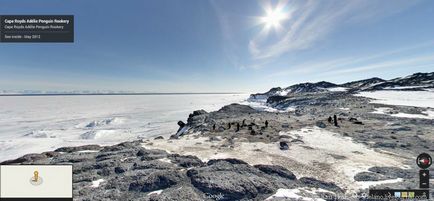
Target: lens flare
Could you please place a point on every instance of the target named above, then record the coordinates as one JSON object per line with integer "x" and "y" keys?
{"x": 273, "y": 18}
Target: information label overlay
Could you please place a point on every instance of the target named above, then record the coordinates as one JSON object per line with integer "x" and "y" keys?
{"x": 35, "y": 182}
{"x": 36, "y": 28}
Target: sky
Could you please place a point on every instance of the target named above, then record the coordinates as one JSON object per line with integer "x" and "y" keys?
{"x": 220, "y": 45}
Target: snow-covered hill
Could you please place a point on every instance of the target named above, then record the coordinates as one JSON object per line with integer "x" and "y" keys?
{"x": 417, "y": 81}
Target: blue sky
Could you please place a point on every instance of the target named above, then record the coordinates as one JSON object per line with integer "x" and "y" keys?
{"x": 221, "y": 45}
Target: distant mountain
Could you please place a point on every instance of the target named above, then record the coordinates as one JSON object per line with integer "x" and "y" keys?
{"x": 417, "y": 81}
{"x": 363, "y": 84}
{"x": 298, "y": 88}
{"x": 310, "y": 87}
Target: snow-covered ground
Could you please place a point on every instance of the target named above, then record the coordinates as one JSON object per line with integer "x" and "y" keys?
{"x": 407, "y": 98}
{"x": 32, "y": 124}
{"x": 302, "y": 194}
{"x": 338, "y": 160}
{"x": 428, "y": 114}
{"x": 263, "y": 106}
{"x": 337, "y": 89}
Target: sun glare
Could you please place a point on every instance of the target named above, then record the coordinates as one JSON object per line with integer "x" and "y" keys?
{"x": 273, "y": 18}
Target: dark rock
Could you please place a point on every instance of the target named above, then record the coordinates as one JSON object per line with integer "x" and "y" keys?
{"x": 385, "y": 145}
{"x": 232, "y": 185}
{"x": 74, "y": 157}
{"x": 321, "y": 124}
{"x": 152, "y": 153}
{"x": 197, "y": 113}
{"x": 352, "y": 119}
{"x": 186, "y": 161}
{"x": 179, "y": 194}
{"x": 214, "y": 139}
{"x": 369, "y": 176}
{"x": 51, "y": 154}
{"x": 338, "y": 157}
{"x": 314, "y": 183}
{"x": 122, "y": 146}
{"x": 297, "y": 141}
{"x": 155, "y": 164}
{"x": 229, "y": 160}
{"x": 358, "y": 122}
{"x": 181, "y": 124}
{"x": 105, "y": 172}
{"x": 284, "y": 137}
{"x": 276, "y": 170}
{"x": 173, "y": 137}
{"x": 237, "y": 109}
{"x": 159, "y": 138}
{"x": 121, "y": 168}
{"x": 24, "y": 159}
{"x": 283, "y": 146}
{"x": 392, "y": 172}
{"x": 79, "y": 148}
{"x": 155, "y": 181}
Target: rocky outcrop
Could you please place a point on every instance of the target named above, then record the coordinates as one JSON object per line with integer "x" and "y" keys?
{"x": 128, "y": 171}
{"x": 417, "y": 81}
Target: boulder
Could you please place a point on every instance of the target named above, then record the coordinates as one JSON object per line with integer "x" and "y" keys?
{"x": 369, "y": 176}
{"x": 276, "y": 170}
{"x": 314, "y": 183}
{"x": 232, "y": 185}
{"x": 283, "y": 146}
{"x": 155, "y": 181}
{"x": 185, "y": 161}
{"x": 321, "y": 124}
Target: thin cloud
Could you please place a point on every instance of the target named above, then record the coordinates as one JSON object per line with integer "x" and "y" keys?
{"x": 345, "y": 63}
{"x": 312, "y": 21}
{"x": 420, "y": 61}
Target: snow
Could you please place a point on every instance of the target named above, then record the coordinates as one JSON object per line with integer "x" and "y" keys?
{"x": 166, "y": 160}
{"x": 382, "y": 110}
{"x": 337, "y": 89}
{"x": 367, "y": 184}
{"x": 298, "y": 194}
{"x": 34, "y": 124}
{"x": 283, "y": 92}
{"x": 406, "y": 98}
{"x": 88, "y": 151}
{"x": 263, "y": 106}
{"x": 404, "y": 87}
{"x": 313, "y": 158}
{"x": 428, "y": 114}
{"x": 286, "y": 193}
{"x": 95, "y": 184}
{"x": 158, "y": 192}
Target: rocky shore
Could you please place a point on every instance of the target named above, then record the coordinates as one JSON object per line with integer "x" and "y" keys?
{"x": 316, "y": 144}
{"x": 129, "y": 172}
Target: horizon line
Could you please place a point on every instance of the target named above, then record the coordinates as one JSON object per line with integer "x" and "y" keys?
{"x": 117, "y": 94}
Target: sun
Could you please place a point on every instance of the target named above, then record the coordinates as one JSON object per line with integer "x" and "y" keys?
{"x": 273, "y": 18}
